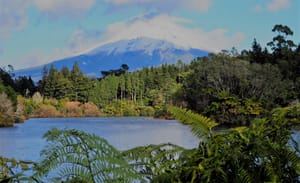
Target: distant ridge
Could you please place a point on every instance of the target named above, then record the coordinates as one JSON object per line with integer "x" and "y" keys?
{"x": 136, "y": 53}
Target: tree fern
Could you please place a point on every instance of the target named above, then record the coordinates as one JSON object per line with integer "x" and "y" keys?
{"x": 200, "y": 125}
{"x": 12, "y": 170}
{"x": 154, "y": 161}
{"x": 258, "y": 153}
{"x": 75, "y": 155}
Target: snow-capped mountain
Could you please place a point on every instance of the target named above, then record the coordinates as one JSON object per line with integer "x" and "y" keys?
{"x": 136, "y": 53}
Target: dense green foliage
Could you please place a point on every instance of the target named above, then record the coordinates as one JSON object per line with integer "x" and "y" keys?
{"x": 263, "y": 152}
{"x": 9, "y": 108}
{"x": 65, "y": 84}
{"x": 86, "y": 158}
{"x": 22, "y": 85}
{"x": 136, "y": 92}
{"x": 12, "y": 170}
{"x": 232, "y": 88}
{"x": 234, "y": 91}
{"x": 236, "y": 88}
{"x": 259, "y": 153}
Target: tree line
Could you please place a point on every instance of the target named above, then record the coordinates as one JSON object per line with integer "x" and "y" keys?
{"x": 230, "y": 87}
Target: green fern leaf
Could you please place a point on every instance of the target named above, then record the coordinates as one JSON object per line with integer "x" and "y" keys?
{"x": 200, "y": 125}
{"x": 77, "y": 155}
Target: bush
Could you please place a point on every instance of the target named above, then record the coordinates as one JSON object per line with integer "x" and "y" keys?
{"x": 6, "y": 111}
{"x": 46, "y": 111}
{"x": 111, "y": 110}
{"x": 146, "y": 111}
{"x": 37, "y": 97}
{"x": 161, "y": 111}
{"x": 130, "y": 111}
{"x": 73, "y": 109}
{"x": 29, "y": 106}
{"x": 90, "y": 110}
{"x": 20, "y": 112}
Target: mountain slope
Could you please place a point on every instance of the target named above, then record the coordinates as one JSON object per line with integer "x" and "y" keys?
{"x": 136, "y": 53}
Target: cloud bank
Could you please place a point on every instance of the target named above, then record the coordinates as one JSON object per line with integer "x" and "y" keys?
{"x": 170, "y": 28}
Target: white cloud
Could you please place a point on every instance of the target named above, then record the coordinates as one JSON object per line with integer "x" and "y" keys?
{"x": 171, "y": 29}
{"x": 13, "y": 16}
{"x": 276, "y": 5}
{"x": 70, "y": 8}
{"x": 82, "y": 39}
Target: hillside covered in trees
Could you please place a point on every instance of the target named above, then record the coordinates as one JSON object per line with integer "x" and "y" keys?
{"x": 231, "y": 87}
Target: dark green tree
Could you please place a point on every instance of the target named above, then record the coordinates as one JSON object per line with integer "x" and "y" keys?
{"x": 25, "y": 86}
{"x": 81, "y": 84}
{"x": 210, "y": 78}
{"x": 282, "y": 46}
{"x": 50, "y": 83}
{"x": 256, "y": 54}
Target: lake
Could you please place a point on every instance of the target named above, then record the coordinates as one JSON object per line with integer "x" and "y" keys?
{"x": 24, "y": 141}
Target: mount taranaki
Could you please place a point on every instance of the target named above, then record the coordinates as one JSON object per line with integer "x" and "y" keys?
{"x": 136, "y": 53}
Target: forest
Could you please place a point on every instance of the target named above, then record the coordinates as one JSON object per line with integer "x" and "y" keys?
{"x": 231, "y": 87}
{"x": 253, "y": 93}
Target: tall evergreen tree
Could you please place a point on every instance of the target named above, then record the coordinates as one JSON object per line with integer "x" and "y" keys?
{"x": 81, "y": 84}
{"x": 50, "y": 80}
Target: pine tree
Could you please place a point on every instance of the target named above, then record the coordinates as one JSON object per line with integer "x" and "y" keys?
{"x": 49, "y": 80}
{"x": 81, "y": 84}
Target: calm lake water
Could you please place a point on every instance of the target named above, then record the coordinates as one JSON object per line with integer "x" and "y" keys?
{"x": 24, "y": 141}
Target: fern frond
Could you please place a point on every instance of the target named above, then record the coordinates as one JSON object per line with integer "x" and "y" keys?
{"x": 200, "y": 125}
{"x": 243, "y": 176}
{"x": 154, "y": 160}
{"x": 77, "y": 155}
{"x": 12, "y": 170}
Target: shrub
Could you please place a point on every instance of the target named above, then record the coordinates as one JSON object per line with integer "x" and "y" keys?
{"x": 20, "y": 112}
{"x": 90, "y": 110}
{"x": 37, "y": 97}
{"x": 73, "y": 109}
{"x": 46, "y": 111}
{"x": 6, "y": 111}
{"x": 146, "y": 111}
{"x": 130, "y": 111}
{"x": 111, "y": 110}
{"x": 29, "y": 106}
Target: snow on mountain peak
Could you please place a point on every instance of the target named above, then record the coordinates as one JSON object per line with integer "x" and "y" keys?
{"x": 145, "y": 44}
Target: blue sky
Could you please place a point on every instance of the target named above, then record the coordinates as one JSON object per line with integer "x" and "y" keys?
{"x": 35, "y": 32}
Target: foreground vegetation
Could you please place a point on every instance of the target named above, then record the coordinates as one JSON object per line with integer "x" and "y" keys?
{"x": 263, "y": 152}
